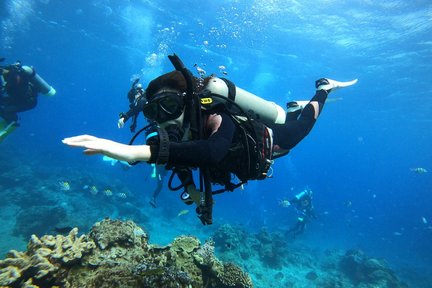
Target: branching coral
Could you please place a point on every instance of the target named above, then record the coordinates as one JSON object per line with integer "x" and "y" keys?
{"x": 44, "y": 259}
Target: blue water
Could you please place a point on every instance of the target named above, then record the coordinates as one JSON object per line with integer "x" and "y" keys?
{"x": 358, "y": 158}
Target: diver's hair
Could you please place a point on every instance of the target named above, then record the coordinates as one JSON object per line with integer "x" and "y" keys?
{"x": 171, "y": 80}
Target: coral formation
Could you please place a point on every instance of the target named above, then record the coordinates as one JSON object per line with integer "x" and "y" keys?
{"x": 363, "y": 270}
{"x": 117, "y": 254}
{"x": 45, "y": 260}
{"x": 297, "y": 265}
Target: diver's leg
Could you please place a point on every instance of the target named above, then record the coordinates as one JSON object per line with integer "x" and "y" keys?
{"x": 292, "y": 132}
{"x": 301, "y": 227}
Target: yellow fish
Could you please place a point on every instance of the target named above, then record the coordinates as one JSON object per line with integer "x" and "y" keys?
{"x": 183, "y": 212}
{"x": 108, "y": 192}
{"x": 64, "y": 185}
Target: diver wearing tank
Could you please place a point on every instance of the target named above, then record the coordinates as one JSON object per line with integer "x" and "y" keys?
{"x": 166, "y": 105}
{"x": 305, "y": 210}
{"x": 137, "y": 100}
{"x": 20, "y": 86}
{"x": 19, "y": 95}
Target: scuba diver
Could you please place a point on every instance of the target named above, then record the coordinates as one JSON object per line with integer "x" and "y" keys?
{"x": 305, "y": 210}
{"x": 137, "y": 99}
{"x": 20, "y": 86}
{"x": 203, "y": 124}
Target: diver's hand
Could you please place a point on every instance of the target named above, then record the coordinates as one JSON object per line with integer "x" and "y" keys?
{"x": 120, "y": 123}
{"x": 94, "y": 145}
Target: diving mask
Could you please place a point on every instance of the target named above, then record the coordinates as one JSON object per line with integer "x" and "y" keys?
{"x": 164, "y": 106}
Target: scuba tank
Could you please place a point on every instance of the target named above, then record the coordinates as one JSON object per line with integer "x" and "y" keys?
{"x": 40, "y": 84}
{"x": 266, "y": 111}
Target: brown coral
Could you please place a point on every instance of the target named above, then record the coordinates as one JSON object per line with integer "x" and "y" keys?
{"x": 44, "y": 259}
{"x": 117, "y": 253}
{"x": 233, "y": 276}
{"x": 117, "y": 233}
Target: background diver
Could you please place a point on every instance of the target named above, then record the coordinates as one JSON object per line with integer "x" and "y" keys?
{"x": 19, "y": 88}
{"x": 166, "y": 97}
{"x": 137, "y": 100}
{"x": 305, "y": 210}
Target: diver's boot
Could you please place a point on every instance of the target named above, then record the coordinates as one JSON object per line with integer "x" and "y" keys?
{"x": 330, "y": 85}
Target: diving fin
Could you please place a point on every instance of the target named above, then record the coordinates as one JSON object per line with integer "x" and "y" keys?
{"x": 6, "y": 129}
{"x": 331, "y": 85}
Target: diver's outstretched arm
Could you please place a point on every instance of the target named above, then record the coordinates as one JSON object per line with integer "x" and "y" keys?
{"x": 94, "y": 145}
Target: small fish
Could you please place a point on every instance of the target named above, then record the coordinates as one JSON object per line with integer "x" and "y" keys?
{"x": 183, "y": 212}
{"x": 121, "y": 195}
{"x": 424, "y": 220}
{"x": 93, "y": 190}
{"x": 397, "y": 234}
{"x": 108, "y": 192}
{"x": 419, "y": 170}
{"x": 64, "y": 186}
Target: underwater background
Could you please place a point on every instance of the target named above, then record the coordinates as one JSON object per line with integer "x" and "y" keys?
{"x": 359, "y": 160}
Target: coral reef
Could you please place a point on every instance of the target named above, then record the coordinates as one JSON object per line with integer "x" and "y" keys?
{"x": 295, "y": 265}
{"x": 269, "y": 247}
{"x": 364, "y": 271}
{"x": 46, "y": 260}
{"x": 117, "y": 254}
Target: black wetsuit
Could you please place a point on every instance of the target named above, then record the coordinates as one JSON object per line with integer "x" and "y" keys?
{"x": 197, "y": 153}
{"x": 289, "y": 134}
{"x": 20, "y": 95}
